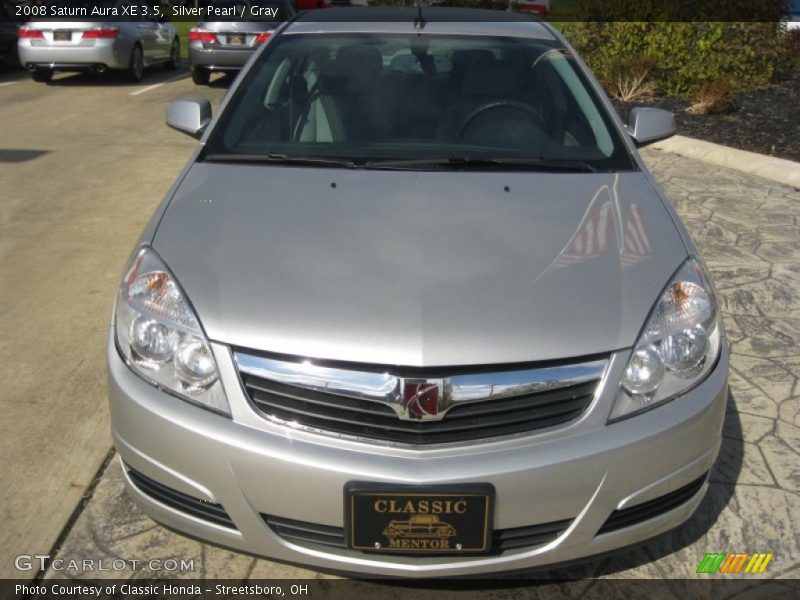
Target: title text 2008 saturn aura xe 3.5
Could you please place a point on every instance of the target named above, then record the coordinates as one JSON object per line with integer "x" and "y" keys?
{"x": 416, "y": 307}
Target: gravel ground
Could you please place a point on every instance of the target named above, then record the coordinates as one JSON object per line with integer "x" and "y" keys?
{"x": 765, "y": 121}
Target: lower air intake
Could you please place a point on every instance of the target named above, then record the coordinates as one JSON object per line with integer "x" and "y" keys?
{"x": 313, "y": 534}
{"x": 633, "y": 515}
{"x": 207, "y": 511}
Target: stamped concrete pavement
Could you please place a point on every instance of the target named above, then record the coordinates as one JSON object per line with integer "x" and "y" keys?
{"x": 747, "y": 230}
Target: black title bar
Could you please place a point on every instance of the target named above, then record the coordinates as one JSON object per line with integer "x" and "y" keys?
{"x": 560, "y": 10}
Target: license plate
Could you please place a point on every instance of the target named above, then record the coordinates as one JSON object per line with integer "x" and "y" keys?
{"x": 236, "y": 39}
{"x": 419, "y": 520}
{"x": 62, "y": 36}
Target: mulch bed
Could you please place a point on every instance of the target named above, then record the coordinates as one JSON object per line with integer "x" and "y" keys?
{"x": 765, "y": 121}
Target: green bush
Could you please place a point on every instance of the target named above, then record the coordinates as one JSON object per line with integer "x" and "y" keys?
{"x": 686, "y": 55}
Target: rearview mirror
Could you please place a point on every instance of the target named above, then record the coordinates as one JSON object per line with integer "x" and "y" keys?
{"x": 189, "y": 115}
{"x": 648, "y": 125}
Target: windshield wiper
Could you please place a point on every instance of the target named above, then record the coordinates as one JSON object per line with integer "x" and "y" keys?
{"x": 528, "y": 163}
{"x": 310, "y": 161}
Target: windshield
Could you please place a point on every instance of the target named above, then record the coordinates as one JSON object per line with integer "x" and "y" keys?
{"x": 378, "y": 98}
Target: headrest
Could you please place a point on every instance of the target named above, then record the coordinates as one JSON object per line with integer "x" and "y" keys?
{"x": 409, "y": 64}
{"x": 353, "y": 71}
{"x": 464, "y": 59}
{"x": 490, "y": 78}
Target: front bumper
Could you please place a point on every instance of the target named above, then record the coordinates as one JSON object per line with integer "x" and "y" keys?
{"x": 582, "y": 472}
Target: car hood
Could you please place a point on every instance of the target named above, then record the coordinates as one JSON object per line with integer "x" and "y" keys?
{"x": 419, "y": 268}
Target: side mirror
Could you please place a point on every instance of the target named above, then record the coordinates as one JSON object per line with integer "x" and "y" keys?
{"x": 189, "y": 115}
{"x": 648, "y": 125}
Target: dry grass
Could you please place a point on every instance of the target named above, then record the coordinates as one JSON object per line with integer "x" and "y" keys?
{"x": 713, "y": 98}
{"x": 629, "y": 80}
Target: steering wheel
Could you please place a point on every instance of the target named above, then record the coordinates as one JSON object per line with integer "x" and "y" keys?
{"x": 529, "y": 111}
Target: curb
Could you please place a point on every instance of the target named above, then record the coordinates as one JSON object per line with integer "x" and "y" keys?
{"x": 780, "y": 170}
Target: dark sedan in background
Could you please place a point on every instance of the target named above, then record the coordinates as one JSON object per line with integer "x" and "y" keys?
{"x": 9, "y": 25}
{"x": 226, "y": 44}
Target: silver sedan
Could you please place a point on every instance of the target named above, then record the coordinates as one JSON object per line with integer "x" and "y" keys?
{"x": 130, "y": 42}
{"x": 416, "y": 307}
{"x": 225, "y": 42}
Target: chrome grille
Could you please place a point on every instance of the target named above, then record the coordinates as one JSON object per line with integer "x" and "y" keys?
{"x": 368, "y": 404}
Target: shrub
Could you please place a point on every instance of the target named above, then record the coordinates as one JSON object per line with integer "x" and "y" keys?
{"x": 629, "y": 79}
{"x": 686, "y": 54}
{"x": 713, "y": 98}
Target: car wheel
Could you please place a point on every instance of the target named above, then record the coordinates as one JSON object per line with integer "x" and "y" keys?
{"x": 136, "y": 65}
{"x": 174, "y": 55}
{"x": 42, "y": 76}
{"x": 201, "y": 76}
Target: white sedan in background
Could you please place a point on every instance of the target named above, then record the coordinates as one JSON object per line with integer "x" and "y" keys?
{"x": 129, "y": 44}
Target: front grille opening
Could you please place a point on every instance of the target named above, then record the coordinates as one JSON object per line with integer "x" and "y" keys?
{"x": 207, "y": 511}
{"x": 372, "y": 420}
{"x": 314, "y": 534}
{"x": 300, "y": 532}
{"x": 639, "y": 513}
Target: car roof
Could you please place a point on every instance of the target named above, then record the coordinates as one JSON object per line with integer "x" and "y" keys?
{"x": 443, "y": 20}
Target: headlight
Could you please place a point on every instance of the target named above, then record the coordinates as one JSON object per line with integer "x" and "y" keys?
{"x": 678, "y": 346}
{"x": 160, "y": 337}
